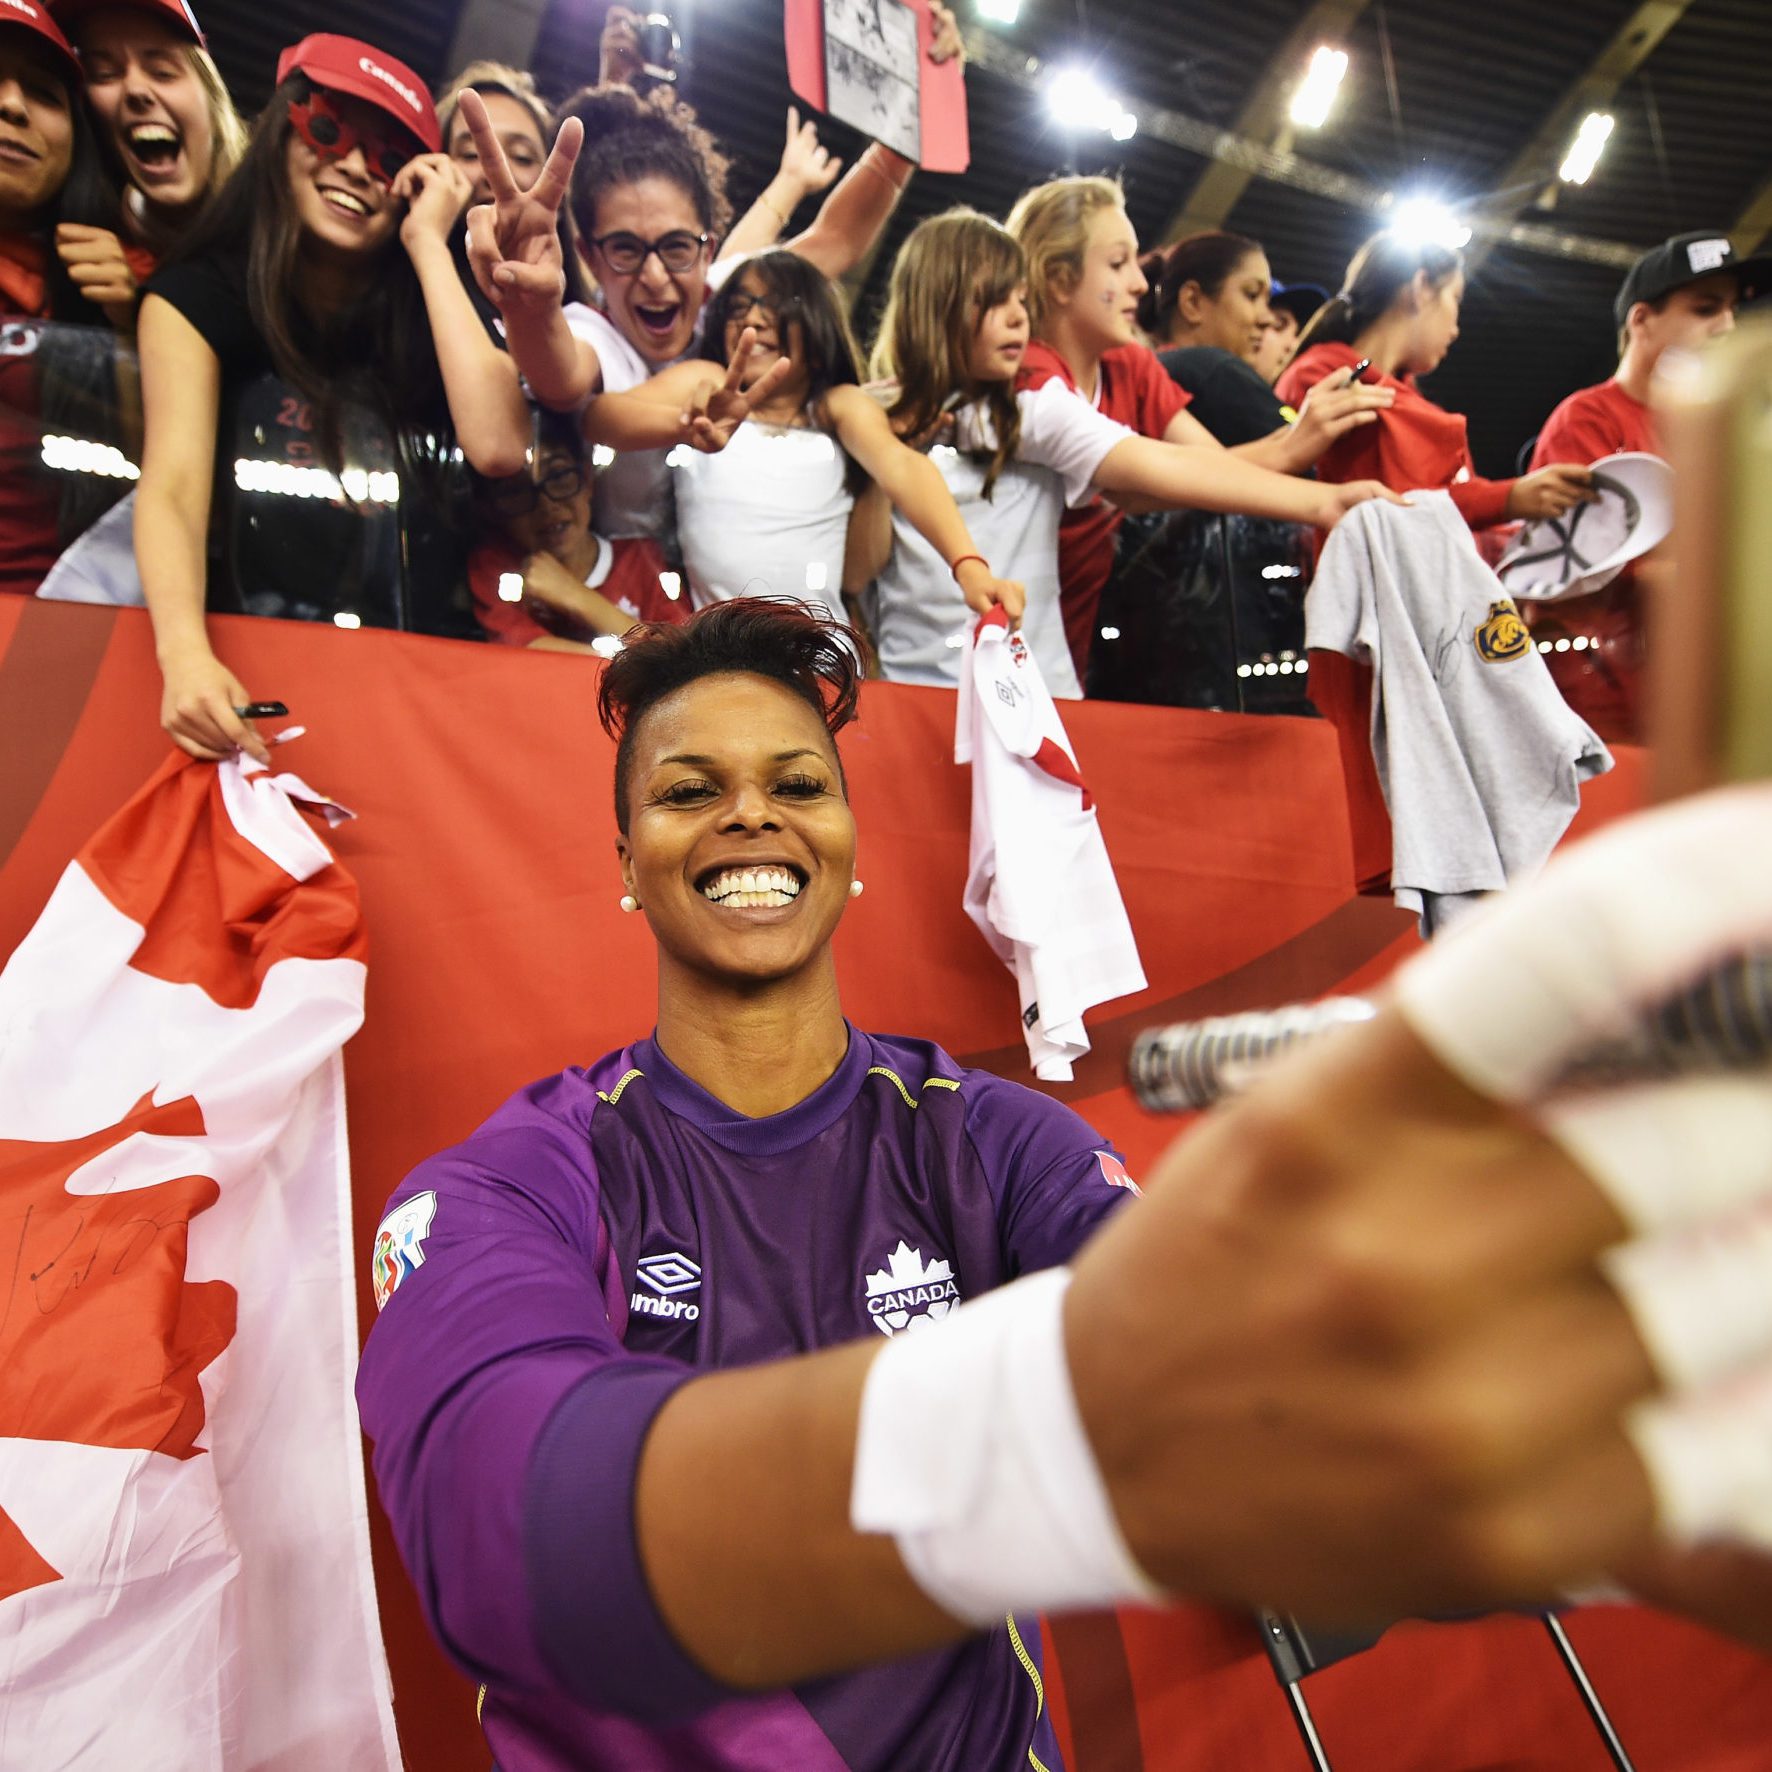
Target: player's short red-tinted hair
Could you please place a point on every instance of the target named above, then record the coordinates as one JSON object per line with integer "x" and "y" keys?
{"x": 753, "y": 635}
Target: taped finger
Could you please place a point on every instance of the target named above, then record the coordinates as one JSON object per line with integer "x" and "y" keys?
{"x": 1709, "y": 1459}
{"x": 1613, "y": 928}
{"x": 1702, "y": 1299}
{"x": 1676, "y": 1153}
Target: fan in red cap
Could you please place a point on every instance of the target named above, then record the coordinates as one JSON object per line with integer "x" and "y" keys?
{"x": 316, "y": 314}
{"x": 359, "y": 70}
{"x": 163, "y": 111}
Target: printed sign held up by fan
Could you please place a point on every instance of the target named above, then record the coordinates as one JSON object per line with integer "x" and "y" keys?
{"x": 866, "y": 63}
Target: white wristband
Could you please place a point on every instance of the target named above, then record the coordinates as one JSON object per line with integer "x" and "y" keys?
{"x": 971, "y": 1454}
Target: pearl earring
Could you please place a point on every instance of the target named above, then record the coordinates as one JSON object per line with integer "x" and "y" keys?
{"x": 855, "y": 889}
{"x": 629, "y": 902}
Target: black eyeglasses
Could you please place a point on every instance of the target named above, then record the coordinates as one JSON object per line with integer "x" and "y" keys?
{"x": 742, "y": 304}
{"x": 518, "y": 497}
{"x": 626, "y": 253}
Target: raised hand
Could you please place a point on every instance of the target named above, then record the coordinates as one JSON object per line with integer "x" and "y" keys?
{"x": 804, "y": 160}
{"x": 98, "y": 269}
{"x": 618, "y": 49}
{"x": 708, "y": 424}
{"x": 435, "y": 191}
{"x": 514, "y": 241}
{"x": 946, "y": 43}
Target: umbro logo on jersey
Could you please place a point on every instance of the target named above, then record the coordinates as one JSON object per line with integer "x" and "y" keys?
{"x": 908, "y": 1292}
{"x": 668, "y": 1276}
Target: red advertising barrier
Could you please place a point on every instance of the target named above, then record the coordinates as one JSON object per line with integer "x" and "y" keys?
{"x": 485, "y": 857}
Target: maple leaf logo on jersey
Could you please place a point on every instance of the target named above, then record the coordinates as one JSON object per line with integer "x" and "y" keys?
{"x": 906, "y": 1293}
{"x": 102, "y": 1338}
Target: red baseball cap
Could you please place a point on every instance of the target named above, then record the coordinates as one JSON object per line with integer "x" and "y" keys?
{"x": 31, "y": 16}
{"x": 360, "y": 70}
{"x": 172, "y": 12}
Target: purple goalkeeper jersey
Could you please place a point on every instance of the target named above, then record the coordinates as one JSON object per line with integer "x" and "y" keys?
{"x": 546, "y": 1284}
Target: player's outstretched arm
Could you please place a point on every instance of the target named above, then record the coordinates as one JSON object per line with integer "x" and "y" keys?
{"x": 1400, "y": 1331}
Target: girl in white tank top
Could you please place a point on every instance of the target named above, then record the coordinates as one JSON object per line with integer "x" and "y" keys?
{"x": 763, "y": 507}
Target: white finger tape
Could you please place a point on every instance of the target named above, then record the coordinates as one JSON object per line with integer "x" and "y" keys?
{"x": 1709, "y": 1460}
{"x": 1701, "y": 1298}
{"x": 1674, "y": 1153}
{"x": 1613, "y": 927}
{"x": 971, "y": 1454}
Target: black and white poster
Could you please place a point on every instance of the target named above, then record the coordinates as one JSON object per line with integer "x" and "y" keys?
{"x": 870, "y": 59}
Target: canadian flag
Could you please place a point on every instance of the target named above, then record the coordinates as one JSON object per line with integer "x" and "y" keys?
{"x": 184, "y": 1556}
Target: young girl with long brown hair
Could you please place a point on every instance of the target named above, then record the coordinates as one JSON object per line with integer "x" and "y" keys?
{"x": 324, "y": 263}
{"x": 955, "y": 341}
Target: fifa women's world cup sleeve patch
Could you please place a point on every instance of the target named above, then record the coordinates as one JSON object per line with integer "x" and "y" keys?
{"x": 400, "y": 1244}
{"x": 1113, "y": 1172}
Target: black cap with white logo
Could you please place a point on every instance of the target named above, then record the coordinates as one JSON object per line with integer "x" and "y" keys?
{"x": 1682, "y": 260}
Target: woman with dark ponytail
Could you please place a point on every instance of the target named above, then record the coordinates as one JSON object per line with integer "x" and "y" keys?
{"x": 1206, "y": 314}
{"x": 1398, "y": 310}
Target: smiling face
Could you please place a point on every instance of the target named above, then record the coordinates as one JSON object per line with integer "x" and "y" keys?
{"x": 341, "y": 206}
{"x": 779, "y": 333}
{"x": 560, "y": 519}
{"x": 740, "y": 844}
{"x": 654, "y": 308}
{"x": 514, "y": 125}
{"x": 1001, "y": 340}
{"x": 1103, "y": 305}
{"x": 1237, "y": 317}
{"x": 145, "y": 92}
{"x": 36, "y": 129}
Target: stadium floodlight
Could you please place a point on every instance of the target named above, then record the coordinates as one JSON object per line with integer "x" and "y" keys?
{"x": 1078, "y": 101}
{"x": 1584, "y": 152}
{"x": 1316, "y": 91}
{"x": 999, "y": 12}
{"x": 1429, "y": 222}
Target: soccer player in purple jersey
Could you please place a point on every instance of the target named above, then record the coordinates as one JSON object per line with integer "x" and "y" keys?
{"x": 1354, "y": 1356}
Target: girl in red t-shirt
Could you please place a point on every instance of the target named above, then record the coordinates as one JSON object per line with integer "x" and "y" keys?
{"x": 1399, "y": 310}
{"x": 1083, "y": 290}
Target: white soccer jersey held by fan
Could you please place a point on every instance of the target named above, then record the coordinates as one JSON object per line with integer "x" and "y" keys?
{"x": 1040, "y": 886}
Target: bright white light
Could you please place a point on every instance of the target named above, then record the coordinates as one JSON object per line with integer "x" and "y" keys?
{"x": 956, "y": 641}
{"x": 817, "y": 575}
{"x": 671, "y": 584}
{"x": 377, "y": 486}
{"x": 1544, "y": 646}
{"x": 680, "y": 457}
{"x": 345, "y": 619}
{"x": 1077, "y": 100}
{"x": 510, "y": 587}
{"x": 1562, "y": 646}
{"x": 999, "y": 12}
{"x": 1316, "y": 91}
{"x": 606, "y": 645}
{"x": 1281, "y": 572}
{"x": 76, "y": 455}
{"x": 601, "y": 455}
{"x": 1579, "y": 643}
{"x": 1426, "y": 221}
{"x": 1245, "y": 670}
{"x": 1584, "y": 152}
{"x": 1110, "y": 633}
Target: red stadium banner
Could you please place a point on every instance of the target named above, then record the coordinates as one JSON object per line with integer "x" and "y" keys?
{"x": 484, "y": 856}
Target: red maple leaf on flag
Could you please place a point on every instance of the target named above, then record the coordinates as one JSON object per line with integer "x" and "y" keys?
{"x": 102, "y": 1338}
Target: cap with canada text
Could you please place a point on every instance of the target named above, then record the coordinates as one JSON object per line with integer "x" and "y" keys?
{"x": 360, "y": 70}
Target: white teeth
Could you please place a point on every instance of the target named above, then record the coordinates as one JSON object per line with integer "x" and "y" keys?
{"x": 749, "y": 887}
{"x": 345, "y": 201}
{"x": 150, "y": 134}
